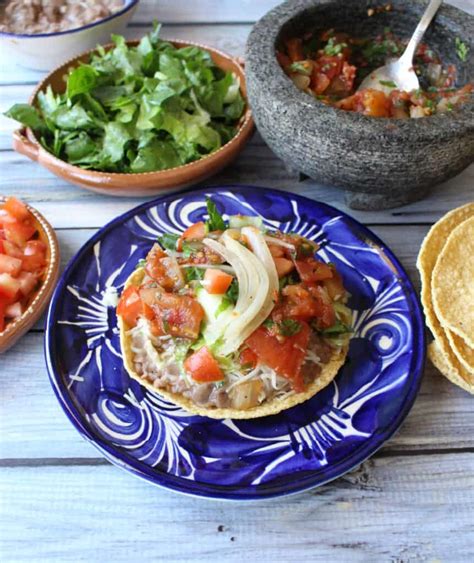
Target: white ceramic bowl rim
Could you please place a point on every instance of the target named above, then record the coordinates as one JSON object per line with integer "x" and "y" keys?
{"x": 127, "y": 5}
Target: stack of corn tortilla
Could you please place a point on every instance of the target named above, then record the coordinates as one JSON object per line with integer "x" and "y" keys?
{"x": 446, "y": 266}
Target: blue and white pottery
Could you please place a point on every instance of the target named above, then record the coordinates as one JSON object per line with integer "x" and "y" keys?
{"x": 295, "y": 450}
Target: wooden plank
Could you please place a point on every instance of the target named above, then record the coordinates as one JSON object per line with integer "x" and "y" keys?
{"x": 183, "y": 11}
{"x": 214, "y": 11}
{"x": 229, "y": 38}
{"x": 224, "y": 24}
{"x": 256, "y": 165}
{"x": 390, "y": 509}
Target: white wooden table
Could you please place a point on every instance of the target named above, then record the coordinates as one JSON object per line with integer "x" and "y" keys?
{"x": 60, "y": 501}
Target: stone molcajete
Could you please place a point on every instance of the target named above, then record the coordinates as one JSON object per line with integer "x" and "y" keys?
{"x": 380, "y": 162}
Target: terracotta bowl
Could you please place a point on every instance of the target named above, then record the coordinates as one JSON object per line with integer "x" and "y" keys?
{"x": 15, "y": 329}
{"x": 146, "y": 183}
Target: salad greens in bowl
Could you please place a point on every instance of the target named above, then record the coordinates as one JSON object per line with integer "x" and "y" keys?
{"x": 140, "y": 107}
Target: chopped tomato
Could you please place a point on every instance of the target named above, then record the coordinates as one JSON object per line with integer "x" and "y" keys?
{"x": 9, "y": 287}
{"x": 130, "y": 305}
{"x": 216, "y": 281}
{"x": 348, "y": 74}
{"x": 179, "y": 315}
{"x": 327, "y": 315}
{"x": 6, "y": 217}
{"x": 14, "y": 310}
{"x": 312, "y": 270}
{"x": 16, "y": 209}
{"x": 28, "y": 282}
{"x": 294, "y": 48}
{"x": 283, "y": 266}
{"x": 298, "y": 302}
{"x": 164, "y": 269}
{"x": 319, "y": 81}
{"x": 286, "y": 357}
{"x": 373, "y": 103}
{"x": 197, "y": 231}
{"x": 203, "y": 367}
{"x": 12, "y": 249}
{"x": 334, "y": 285}
{"x": 330, "y": 66}
{"x": 248, "y": 358}
{"x": 276, "y": 250}
{"x": 34, "y": 256}
{"x": 20, "y": 256}
{"x": 306, "y": 302}
{"x": 10, "y": 265}
{"x": 19, "y": 232}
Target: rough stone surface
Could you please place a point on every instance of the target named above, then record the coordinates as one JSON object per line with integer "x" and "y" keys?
{"x": 395, "y": 160}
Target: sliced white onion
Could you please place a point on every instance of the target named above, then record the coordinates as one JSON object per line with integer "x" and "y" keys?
{"x": 259, "y": 247}
{"x": 279, "y": 242}
{"x": 255, "y": 301}
{"x": 223, "y": 267}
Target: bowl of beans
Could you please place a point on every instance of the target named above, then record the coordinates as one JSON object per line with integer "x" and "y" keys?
{"x": 385, "y": 147}
{"x": 41, "y": 34}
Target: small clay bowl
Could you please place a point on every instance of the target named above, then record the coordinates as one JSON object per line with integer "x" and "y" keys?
{"x": 380, "y": 162}
{"x": 16, "y": 328}
{"x": 145, "y": 183}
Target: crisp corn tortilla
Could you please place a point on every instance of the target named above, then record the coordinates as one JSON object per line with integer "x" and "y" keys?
{"x": 276, "y": 405}
{"x": 452, "y": 282}
{"x": 429, "y": 252}
{"x": 438, "y": 359}
{"x": 464, "y": 353}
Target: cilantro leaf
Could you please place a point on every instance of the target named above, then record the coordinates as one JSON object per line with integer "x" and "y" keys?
{"x": 290, "y": 279}
{"x": 168, "y": 241}
{"x": 388, "y": 83}
{"x": 289, "y": 327}
{"x": 215, "y": 221}
{"x": 81, "y": 80}
{"x": 337, "y": 328}
{"x": 193, "y": 273}
{"x": 461, "y": 49}
{"x": 332, "y": 48}
{"x": 28, "y": 115}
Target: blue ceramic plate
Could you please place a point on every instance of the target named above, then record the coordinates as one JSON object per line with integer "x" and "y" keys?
{"x": 300, "y": 448}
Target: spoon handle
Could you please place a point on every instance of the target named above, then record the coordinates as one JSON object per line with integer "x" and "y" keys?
{"x": 422, "y": 26}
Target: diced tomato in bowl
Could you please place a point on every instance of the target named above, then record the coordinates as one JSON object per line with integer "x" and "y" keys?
{"x": 23, "y": 260}
{"x": 9, "y": 287}
{"x": 10, "y": 265}
{"x": 16, "y": 209}
{"x": 19, "y": 232}
{"x": 34, "y": 256}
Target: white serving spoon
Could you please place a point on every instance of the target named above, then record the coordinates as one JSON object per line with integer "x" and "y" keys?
{"x": 400, "y": 73}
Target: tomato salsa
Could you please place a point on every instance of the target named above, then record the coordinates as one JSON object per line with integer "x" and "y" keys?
{"x": 231, "y": 315}
{"x": 331, "y": 65}
{"x": 23, "y": 258}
